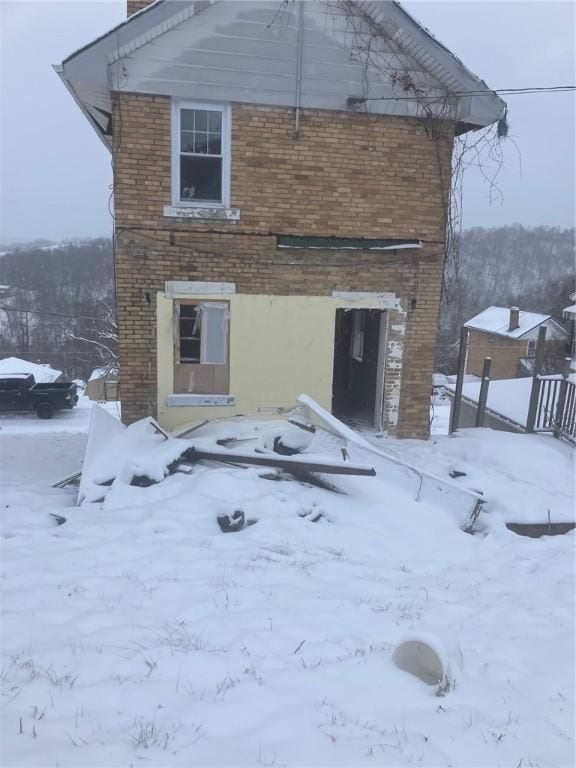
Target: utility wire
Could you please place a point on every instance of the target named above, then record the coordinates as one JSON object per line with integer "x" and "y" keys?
{"x": 503, "y": 91}
{"x": 50, "y": 314}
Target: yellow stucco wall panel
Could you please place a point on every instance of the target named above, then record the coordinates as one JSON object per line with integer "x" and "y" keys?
{"x": 280, "y": 346}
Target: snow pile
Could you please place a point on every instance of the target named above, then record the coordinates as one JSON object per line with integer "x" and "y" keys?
{"x": 139, "y": 632}
{"x": 525, "y": 477}
{"x": 115, "y": 454}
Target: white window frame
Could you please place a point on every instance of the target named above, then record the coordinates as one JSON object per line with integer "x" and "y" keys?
{"x": 225, "y": 110}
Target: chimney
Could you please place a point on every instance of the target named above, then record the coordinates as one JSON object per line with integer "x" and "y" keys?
{"x": 132, "y": 6}
{"x": 514, "y": 319}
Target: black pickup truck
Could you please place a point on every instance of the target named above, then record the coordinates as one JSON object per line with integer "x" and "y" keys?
{"x": 20, "y": 392}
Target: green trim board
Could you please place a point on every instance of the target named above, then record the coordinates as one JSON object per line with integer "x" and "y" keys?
{"x": 344, "y": 243}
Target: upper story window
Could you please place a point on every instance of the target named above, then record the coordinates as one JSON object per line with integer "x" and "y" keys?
{"x": 200, "y": 155}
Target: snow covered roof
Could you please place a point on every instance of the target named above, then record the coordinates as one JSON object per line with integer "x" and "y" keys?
{"x": 497, "y": 320}
{"x": 569, "y": 312}
{"x": 100, "y": 373}
{"x": 43, "y": 374}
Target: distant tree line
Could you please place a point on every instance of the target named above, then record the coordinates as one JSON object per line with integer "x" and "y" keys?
{"x": 529, "y": 267}
{"x": 58, "y": 300}
{"x": 55, "y": 301}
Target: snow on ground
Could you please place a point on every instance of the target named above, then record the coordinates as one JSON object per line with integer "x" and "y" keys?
{"x": 73, "y": 420}
{"x": 140, "y": 633}
{"x": 509, "y": 397}
{"x": 440, "y": 407}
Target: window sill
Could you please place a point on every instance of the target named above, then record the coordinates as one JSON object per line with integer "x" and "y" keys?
{"x": 201, "y": 213}
{"x": 199, "y": 400}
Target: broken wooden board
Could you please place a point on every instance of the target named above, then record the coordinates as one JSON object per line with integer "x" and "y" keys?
{"x": 188, "y": 430}
{"x": 301, "y": 476}
{"x": 288, "y": 463}
{"x": 69, "y": 480}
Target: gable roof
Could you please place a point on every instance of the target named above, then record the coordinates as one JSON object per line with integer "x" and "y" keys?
{"x": 246, "y": 51}
{"x": 496, "y": 320}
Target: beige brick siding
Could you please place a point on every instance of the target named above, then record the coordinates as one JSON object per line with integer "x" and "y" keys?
{"x": 505, "y": 354}
{"x": 345, "y": 174}
{"x": 136, "y": 5}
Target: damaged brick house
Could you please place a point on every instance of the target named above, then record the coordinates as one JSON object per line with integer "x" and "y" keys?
{"x": 280, "y": 203}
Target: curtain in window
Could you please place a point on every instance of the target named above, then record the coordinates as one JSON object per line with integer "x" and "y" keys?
{"x": 214, "y": 333}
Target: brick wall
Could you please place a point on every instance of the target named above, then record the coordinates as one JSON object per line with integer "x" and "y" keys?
{"x": 505, "y": 354}
{"x": 345, "y": 174}
{"x": 136, "y": 5}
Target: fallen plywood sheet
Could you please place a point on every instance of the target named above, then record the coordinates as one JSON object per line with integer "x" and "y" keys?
{"x": 462, "y": 500}
{"x": 101, "y": 429}
{"x": 115, "y": 454}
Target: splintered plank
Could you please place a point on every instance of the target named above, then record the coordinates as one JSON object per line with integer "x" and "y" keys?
{"x": 288, "y": 463}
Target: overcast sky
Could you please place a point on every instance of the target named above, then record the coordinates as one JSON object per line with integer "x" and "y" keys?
{"x": 56, "y": 175}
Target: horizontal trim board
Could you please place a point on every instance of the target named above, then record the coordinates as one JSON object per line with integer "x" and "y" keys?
{"x": 343, "y": 243}
{"x": 198, "y": 400}
{"x": 381, "y": 300}
{"x": 186, "y": 287}
{"x": 198, "y": 212}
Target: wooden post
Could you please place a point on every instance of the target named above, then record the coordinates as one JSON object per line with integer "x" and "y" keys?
{"x": 535, "y": 391}
{"x": 455, "y": 413}
{"x": 483, "y": 397}
{"x": 560, "y": 403}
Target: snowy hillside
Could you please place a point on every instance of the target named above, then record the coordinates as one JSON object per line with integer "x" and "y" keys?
{"x": 533, "y": 268}
{"x": 139, "y": 633}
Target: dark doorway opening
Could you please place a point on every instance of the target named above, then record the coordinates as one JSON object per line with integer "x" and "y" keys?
{"x": 358, "y": 357}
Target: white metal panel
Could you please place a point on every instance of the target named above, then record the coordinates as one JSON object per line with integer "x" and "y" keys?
{"x": 247, "y": 51}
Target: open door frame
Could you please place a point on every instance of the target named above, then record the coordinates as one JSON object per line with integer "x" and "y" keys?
{"x": 381, "y": 372}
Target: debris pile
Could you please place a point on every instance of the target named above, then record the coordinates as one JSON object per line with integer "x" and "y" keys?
{"x": 312, "y": 448}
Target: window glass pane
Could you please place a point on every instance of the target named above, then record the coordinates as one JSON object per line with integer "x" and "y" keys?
{"x": 188, "y": 329}
{"x": 200, "y": 120}
{"x": 187, "y": 119}
{"x": 214, "y": 144}
{"x": 201, "y": 178}
{"x": 200, "y": 143}
{"x": 186, "y": 141}
{"x": 215, "y": 121}
{"x": 189, "y": 350}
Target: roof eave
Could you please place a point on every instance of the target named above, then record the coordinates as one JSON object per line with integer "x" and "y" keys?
{"x": 59, "y": 69}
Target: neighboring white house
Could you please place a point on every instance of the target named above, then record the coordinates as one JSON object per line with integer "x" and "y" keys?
{"x": 508, "y": 336}
{"x": 103, "y": 384}
{"x": 514, "y": 323}
{"x": 43, "y": 374}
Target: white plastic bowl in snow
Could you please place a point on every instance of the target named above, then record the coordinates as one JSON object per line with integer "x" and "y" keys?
{"x": 426, "y": 656}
